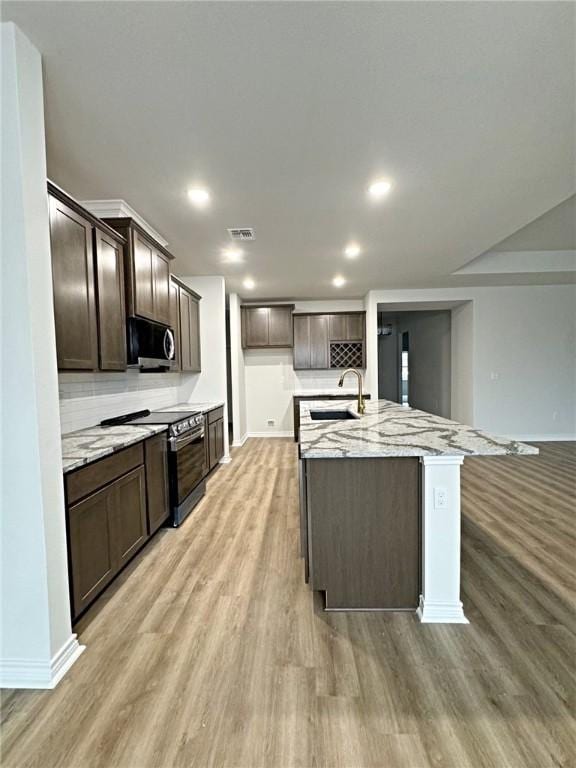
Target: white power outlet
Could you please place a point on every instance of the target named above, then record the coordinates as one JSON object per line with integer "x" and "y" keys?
{"x": 271, "y": 422}
{"x": 440, "y": 498}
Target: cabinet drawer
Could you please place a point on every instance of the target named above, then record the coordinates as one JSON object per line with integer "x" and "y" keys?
{"x": 215, "y": 415}
{"x": 88, "y": 479}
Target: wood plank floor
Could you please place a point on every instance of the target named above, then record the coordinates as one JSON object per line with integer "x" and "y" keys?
{"x": 210, "y": 651}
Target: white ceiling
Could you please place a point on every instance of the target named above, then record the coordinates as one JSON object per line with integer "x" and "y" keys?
{"x": 286, "y": 111}
{"x": 554, "y": 231}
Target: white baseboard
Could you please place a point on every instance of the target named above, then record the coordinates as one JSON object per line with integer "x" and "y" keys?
{"x": 226, "y": 459}
{"x": 440, "y": 613}
{"x": 552, "y": 438}
{"x": 240, "y": 443}
{"x": 286, "y": 433}
{"x": 28, "y": 673}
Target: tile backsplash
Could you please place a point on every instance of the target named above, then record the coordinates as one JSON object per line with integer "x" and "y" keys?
{"x": 87, "y": 398}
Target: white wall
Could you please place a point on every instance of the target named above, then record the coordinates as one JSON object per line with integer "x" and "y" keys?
{"x": 462, "y": 408}
{"x": 237, "y": 373}
{"x": 210, "y": 384}
{"x": 87, "y": 398}
{"x": 270, "y": 379}
{"x": 522, "y": 342}
{"x": 37, "y": 644}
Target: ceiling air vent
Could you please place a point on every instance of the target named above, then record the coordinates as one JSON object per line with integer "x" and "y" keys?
{"x": 241, "y": 233}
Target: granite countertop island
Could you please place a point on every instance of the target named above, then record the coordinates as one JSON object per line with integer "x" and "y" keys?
{"x": 380, "y": 526}
{"x": 390, "y": 429}
{"x": 93, "y": 443}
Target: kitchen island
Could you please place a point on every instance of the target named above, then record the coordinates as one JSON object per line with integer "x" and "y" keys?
{"x": 380, "y": 505}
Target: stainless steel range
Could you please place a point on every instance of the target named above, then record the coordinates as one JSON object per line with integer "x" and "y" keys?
{"x": 186, "y": 455}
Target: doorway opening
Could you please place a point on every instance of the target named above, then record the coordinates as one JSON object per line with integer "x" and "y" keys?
{"x": 414, "y": 359}
{"x": 404, "y": 363}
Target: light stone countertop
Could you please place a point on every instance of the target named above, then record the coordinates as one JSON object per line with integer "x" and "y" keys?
{"x": 201, "y": 407}
{"x": 390, "y": 429}
{"x": 326, "y": 391}
{"x": 93, "y": 443}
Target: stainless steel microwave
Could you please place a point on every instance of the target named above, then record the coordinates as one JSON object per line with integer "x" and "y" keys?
{"x": 150, "y": 345}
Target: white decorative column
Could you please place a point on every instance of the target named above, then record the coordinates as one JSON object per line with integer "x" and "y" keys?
{"x": 440, "y": 599}
{"x": 37, "y": 645}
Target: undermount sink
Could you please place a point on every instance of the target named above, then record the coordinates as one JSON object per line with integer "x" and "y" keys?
{"x": 331, "y": 415}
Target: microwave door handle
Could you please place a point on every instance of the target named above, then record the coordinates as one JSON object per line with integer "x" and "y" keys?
{"x": 169, "y": 344}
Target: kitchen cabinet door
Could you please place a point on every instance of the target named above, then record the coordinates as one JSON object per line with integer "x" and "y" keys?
{"x": 144, "y": 259}
{"x": 195, "y": 353}
{"x": 319, "y": 341}
{"x": 338, "y": 327}
{"x": 280, "y": 327}
{"x": 110, "y": 302}
{"x": 301, "y": 342}
{"x": 161, "y": 268}
{"x": 90, "y": 543}
{"x": 255, "y": 326}
{"x": 73, "y": 286}
{"x": 175, "y": 323}
{"x": 216, "y": 442}
{"x": 129, "y": 528}
{"x": 157, "y": 505}
{"x": 189, "y": 332}
{"x": 185, "y": 338}
{"x": 355, "y": 327}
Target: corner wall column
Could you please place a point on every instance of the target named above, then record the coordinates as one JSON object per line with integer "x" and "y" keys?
{"x": 440, "y": 599}
{"x": 37, "y": 643}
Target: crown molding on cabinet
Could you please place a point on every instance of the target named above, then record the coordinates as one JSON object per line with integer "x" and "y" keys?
{"x": 119, "y": 209}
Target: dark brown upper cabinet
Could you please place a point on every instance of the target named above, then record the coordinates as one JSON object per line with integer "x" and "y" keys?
{"x": 73, "y": 283}
{"x": 347, "y": 327}
{"x": 188, "y": 308}
{"x": 88, "y": 284}
{"x": 175, "y": 322}
{"x": 267, "y": 326}
{"x": 310, "y": 342}
{"x": 147, "y": 272}
{"x": 329, "y": 341}
{"x": 110, "y": 309}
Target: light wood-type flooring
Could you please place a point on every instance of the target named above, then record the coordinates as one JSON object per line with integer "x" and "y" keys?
{"x": 210, "y": 651}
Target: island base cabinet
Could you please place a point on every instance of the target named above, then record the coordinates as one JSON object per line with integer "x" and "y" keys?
{"x": 106, "y": 529}
{"x": 361, "y": 525}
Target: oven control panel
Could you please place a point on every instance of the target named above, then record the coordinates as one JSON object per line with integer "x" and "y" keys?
{"x": 186, "y": 425}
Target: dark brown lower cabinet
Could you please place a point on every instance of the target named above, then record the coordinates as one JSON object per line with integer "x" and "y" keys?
{"x": 114, "y": 505}
{"x": 129, "y": 522}
{"x": 106, "y": 530}
{"x": 360, "y": 531}
{"x": 155, "y": 450}
{"x": 214, "y": 437}
{"x": 90, "y": 545}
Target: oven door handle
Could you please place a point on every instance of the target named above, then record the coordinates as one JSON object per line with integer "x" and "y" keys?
{"x": 179, "y": 442}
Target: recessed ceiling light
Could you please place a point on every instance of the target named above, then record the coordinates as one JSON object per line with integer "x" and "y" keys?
{"x": 379, "y": 189}
{"x": 199, "y": 197}
{"x": 233, "y": 255}
{"x": 352, "y": 250}
{"x": 249, "y": 283}
{"x": 338, "y": 281}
